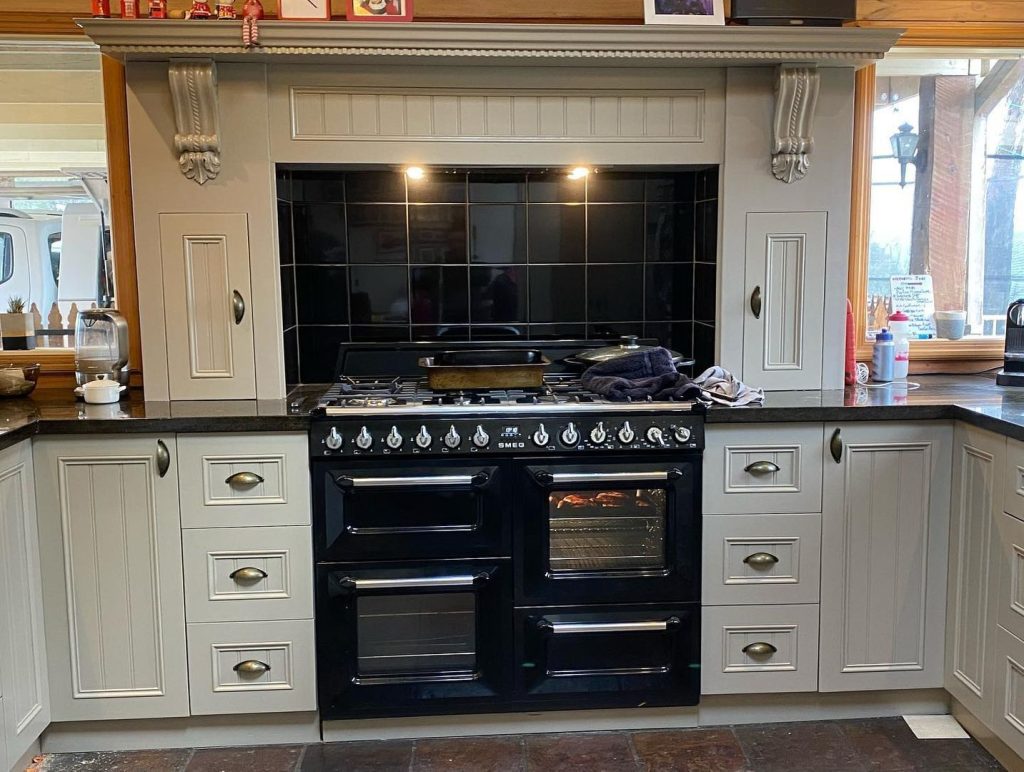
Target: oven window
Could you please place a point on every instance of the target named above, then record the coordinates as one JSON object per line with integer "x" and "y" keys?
{"x": 607, "y": 530}
{"x": 417, "y": 634}
{"x": 397, "y": 510}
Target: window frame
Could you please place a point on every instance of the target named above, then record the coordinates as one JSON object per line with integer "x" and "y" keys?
{"x": 952, "y": 43}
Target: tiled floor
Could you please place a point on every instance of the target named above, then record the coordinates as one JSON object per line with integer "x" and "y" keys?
{"x": 886, "y": 745}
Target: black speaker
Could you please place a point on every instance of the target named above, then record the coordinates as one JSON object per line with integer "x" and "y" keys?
{"x": 812, "y": 13}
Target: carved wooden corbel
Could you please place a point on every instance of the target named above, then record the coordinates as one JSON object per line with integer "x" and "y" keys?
{"x": 796, "y": 97}
{"x": 197, "y": 139}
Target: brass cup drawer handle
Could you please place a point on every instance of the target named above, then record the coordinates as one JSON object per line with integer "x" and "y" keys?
{"x": 762, "y": 468}
{"x": 244, "y": 480}
{"x": 252, "y": 667}
{"x": 248, "y": 575}
{"x": 759, "y": 649}
{"x": 761, "y": 561}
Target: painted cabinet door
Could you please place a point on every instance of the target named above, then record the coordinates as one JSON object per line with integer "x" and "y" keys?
{"x": 112, "y": 577}
{"x": 210, "y": 349}
{"x": 978, "y": 468}
{"x": 884, "y": 542}
{"x": 25, "y": 711}
{"x": 783, "y": 327}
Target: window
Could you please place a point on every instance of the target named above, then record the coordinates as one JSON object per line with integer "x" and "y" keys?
{"x": 946, "y": 222}
{"x": 53, "y": 244}
{"x": 6, "y": 257}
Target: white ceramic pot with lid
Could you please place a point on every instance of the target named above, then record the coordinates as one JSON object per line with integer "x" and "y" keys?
{"x": 102, "y": 391}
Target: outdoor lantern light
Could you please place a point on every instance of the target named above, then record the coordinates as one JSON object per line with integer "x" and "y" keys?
{"x": 904, "y": 147}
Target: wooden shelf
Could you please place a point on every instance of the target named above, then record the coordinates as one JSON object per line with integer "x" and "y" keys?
{"x": 536, "y": 44}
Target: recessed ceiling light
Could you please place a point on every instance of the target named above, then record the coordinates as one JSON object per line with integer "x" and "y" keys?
{"x": 579, "y": 173}
{"x": 415, "y": 173}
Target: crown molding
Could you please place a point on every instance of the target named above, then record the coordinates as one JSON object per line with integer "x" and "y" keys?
{"x": 608, "y": 45}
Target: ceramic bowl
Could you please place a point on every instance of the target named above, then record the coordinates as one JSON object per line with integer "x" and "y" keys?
{"x": 18, "y": 380}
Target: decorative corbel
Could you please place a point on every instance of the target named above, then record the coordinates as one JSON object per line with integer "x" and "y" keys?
{"x": 197, "y": 139}
{"x": 796, "y": 97}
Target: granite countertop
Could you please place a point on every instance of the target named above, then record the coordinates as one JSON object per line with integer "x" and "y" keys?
{"x": 974, "y": 399}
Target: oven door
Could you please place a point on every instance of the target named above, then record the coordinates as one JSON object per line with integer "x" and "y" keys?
{"x": 609, "y": 657}
{"x": 422, "y": 638}
{"x": 609, "y": 532}
{"x": 445, "y": 509}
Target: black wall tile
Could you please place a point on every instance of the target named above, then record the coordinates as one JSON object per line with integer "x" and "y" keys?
{"x": 385, "y": 187}
{"x": 706, "y": 232}
{"x": 320, "y": 233}
{"x": 677, "y": 336}
{"x": 323, "y": 295}
{"x": 497, "y": 294}
{"x": 437, "y": 234}
{"x": 705, "y": 293}
{"x": 497, "y": 187}
{"x": 614, "y": 330}
{"x": 670, "y": 233}
{"x": 285, "y": 247}
{"x": 284, "y": 185}
{"x": 377, "y": 234}
{"x": 669, "y": 291}
{"x": 288, "y": 296}
{"x": 615, "y": 293}
{"x": 558, "y": 331}
{"x": 318, "y": 352}
{"x": 380, "y": 333}
{"x": 615, "y": 187}
{"x": 439, "y": 188}
{"x": 555, "y": 189}
{"x": 558, "y": 293}
{"x": 615, "y": 233}
{"x": 707, "y": 184}
{"x": 498, "y": 331}
{"x": 379, "y": 294}
{"x": 318, "y": 187}
{"x": 671, "y": 186}
{"x": 497, "y": 233}
{"x": 439, "y": 294}
{"x": 703, "y": 346}
{"x": 557, "y": 234}
{"x": 291, "y": 356}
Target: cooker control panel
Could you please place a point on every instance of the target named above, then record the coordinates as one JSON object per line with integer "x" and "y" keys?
{"x": 503, "y": 436}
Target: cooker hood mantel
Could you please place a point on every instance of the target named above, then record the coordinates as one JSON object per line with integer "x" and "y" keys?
{"x": 499, "y": 44}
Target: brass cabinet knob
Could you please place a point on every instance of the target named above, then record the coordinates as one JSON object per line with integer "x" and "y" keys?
{"x": 759, "y": 650}
{"x": 762, "y": 468}
{"x": 244, "y": 480}
{"x": 248, "y": 575}
{"x": 761, "y": 560}
{"x": 251, "y": 667}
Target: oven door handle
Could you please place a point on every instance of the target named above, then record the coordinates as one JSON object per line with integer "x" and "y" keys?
{"x": 419, "y": 481}
{"x": 352, "y": 583}
{"x": 547, "y": 479}
{"x": 577, "y": 628}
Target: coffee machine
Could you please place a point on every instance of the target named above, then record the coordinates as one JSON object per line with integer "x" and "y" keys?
{"x": 1012, "y": 373}
{"x": 101, "y": 346}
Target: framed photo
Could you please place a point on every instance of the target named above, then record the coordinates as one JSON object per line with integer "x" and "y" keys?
{"x": 379, "y": 10}
{"x": 708, "y": 12}
{"x": 304, "y": 10}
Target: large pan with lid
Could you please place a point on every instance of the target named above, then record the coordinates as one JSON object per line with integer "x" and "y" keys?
{"x": 628, "y": 344}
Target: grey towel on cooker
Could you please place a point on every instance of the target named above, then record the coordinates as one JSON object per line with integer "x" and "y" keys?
{"x": 649, "y": 373}
{"x": 719, "y": 385}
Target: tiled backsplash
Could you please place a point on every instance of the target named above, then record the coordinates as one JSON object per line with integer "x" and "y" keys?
{"x": 488, "y": 255}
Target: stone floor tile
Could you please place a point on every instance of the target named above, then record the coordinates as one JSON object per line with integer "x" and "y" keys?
{"x": 382, "y": 756}
{"x": 689, "y": 750}
{"x": 804, "y": 747}
{"x": 585, "y": 751}
{"x": 469, "y": 754}
{"x": 266, "y": 758}
{"x": 118, "y": 761}
{"x": 888, "y": 744}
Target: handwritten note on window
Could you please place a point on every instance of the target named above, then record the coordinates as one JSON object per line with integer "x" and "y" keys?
{"x": 914, "y": 296}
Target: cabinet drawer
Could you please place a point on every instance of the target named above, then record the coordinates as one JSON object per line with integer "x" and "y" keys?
{"x": 750, "y": 470}
{"x": 1013, "y": 479}
{"x": 251, "y": 667}
{"x": 1008, "y": 719}
{"x": 234, "y": 480}
{"x": 753, "y": 559}
{"x": 243, "y": 574}
{"x": 730, "y": 659}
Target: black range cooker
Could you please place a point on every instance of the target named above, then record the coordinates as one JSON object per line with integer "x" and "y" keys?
{"x": 502, "y": 550}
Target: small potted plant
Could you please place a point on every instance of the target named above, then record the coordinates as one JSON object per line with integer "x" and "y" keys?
{"x": 17, "y": 328}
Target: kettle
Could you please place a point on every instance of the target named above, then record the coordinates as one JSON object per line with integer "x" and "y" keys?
{"x": 1012, "y": 373}
{"x": 101, "y": 346}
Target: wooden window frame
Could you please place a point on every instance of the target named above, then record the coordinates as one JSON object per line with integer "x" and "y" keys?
{"x": 58, "y": 365}
{"x": 991, "y": 39}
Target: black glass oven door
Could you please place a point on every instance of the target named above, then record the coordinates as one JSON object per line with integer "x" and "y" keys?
{"x": 610, "y": 657}
{"x": 446, "y": 509}
{"x": 416, "y": 639}
{"x": 609, "y": 532}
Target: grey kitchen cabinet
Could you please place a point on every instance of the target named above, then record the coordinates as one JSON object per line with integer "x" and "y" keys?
{"x": 783, "y": 333}
{"x": 112, "y": 576}
{"x": 209, "y": 329}
{"x": 976, "y": 507}
{"x": 25, "y": 703}
{"x": 885, "y": 538}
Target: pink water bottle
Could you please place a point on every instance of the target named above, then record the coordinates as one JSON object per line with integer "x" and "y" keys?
{"x": 899, "y": 326}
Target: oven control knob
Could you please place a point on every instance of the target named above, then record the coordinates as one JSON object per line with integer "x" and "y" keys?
{"x": 334, "y": 440}
{"x": 626, "y": 434}
{"x": 364, "y": 440}
{"x": 570, "y": 436}
{"x": 681, "y": 433}
{"x": 423, "y": 439}
{"x": 655, "y": 436}
{"x": 540, "y": 437}
{"x": 452, "y": 439}
{"x": 480, "y": 437}
{"x": 598, "y": 435}
{"x": 394, "y": 439}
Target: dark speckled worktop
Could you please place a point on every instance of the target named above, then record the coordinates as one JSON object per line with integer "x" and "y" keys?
{"x": 974, "y": 399}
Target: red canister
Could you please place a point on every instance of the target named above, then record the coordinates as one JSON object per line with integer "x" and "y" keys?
{"x": 158, "y": 9}
{"x": 101, "y": 8}
{"x": 129, "y": 9}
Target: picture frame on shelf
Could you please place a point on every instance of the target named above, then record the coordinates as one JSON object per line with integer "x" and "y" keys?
{"x": 378, "y": 10}
{"x": 687, "y": 12}
{"x": 304, "y": 10}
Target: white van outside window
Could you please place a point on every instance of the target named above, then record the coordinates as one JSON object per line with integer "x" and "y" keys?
{"x": 6, "y": 257}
